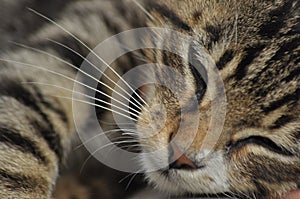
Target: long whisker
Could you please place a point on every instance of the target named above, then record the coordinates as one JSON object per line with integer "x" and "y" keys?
{"x": 97, "y": 105}
{"x": 227, "y": 195}
{"x": 117, "y": 124}
{"x": 236, "y": 28}
{"x": 134, "y": 148}
{"x": 134, "y": 133}
{"x": 143, "y": 9}
{"x": 75, "y": 52}
{"x": 38, "y": 67}
{"x": 131, "y": 148}
{"x": 148, "y": 14}
{"x": 86, "y": 46}
{"x": 90, "y": 97}
{"x": 133, "y": 145}
{"x": 113, "y": 123}
{"x": 100, "y": 134}
{"x": 130, "y": 181}
{"x": 126, "y": 140}
{"x": 64, "y": 76}
{"x": 104, "y": 146}
{"x": 123, "y": 138}
{"x": 124, "y": 178}
{"x": 73, "y": 66}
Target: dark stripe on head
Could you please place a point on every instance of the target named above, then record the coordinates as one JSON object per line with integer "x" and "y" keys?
{"x": 17, "y": 91}
{"x": 293, "y": 74}
{"x": 215, "y": 33}
{"x": 261, "y": 190}
{"x": 297, "y": 134}
{"x": 172, "y": 60}
{"x": 286, "y": 49}
{"x": 295, "y": 29}
{"x": 197, "y": 15}
{"x": 270, "y": 170}
{"x": 171, "y": 15}
{"x": 250, "y": 54}
{"x": 165, "y": 57}
{"x": 13, "y": 138}
{"x": 280, "y": 122}
{"x": 276, "y": 20}
{"x": 199, "y": 72}
{"x": 289, "y": 98}
{"x": 260, "y": 141}
{"x": 225, "y": 59}
{"x": 262, "y": 90}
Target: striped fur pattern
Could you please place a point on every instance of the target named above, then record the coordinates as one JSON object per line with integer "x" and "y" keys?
{"x": 254, "y": 44}
{"x": 36, "y": 127}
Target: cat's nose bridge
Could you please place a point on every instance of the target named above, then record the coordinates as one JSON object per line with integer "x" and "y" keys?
{"x": 191, "y": 134}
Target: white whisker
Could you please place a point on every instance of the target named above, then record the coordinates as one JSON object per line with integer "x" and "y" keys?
{"x": 59, "y": 74}
{"x": 75, "y": 52}
{"x": 143, "y": 9}
{"x": 130, "y": 139}
{"x": 134, "y": 133}
{"x": 37, "y": 67}
{"x": 236, "y": 28}
{"x": 227, "y": 195}
{"x": 114, "y": 124}
{"x": 128, "y": 148}
{"x": 124, "y": 178}
{"x": 100, "y": 134}
{"x": 90, "y": 97}
{"x": 76, "y": 68}
{"x": 103, "y": 107}
{"x": 130, "y": 181}
{"x": 86, "y": 46}
{"x": 104, "y": 146}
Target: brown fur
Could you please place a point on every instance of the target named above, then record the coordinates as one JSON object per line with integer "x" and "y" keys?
{"x": 255, "y": 44}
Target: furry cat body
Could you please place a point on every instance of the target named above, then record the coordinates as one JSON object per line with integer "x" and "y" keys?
{"x": 254, "y": 44}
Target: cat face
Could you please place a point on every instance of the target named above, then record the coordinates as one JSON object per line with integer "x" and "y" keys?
{"x": 177, "y": 128}
{"x": 257, "y": 151}
{"x": 250, "y": 156}
{"x": 243, "y": 159}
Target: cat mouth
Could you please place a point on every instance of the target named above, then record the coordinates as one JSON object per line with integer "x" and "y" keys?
{"x": 205, "y": 176}
{"x": 169, "y": 174}
{"x": 173, "y": 171}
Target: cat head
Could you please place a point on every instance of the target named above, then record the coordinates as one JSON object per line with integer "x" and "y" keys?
{"x": 250, "y": 155}
{"x": 257, "y": 150}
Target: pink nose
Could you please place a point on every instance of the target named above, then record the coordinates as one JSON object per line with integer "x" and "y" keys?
{"x": 182, "y": 161}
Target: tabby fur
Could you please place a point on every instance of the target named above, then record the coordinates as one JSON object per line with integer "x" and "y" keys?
{"x": 255, "y": 45}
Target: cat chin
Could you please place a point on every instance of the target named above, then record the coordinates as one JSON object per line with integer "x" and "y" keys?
{"x": 211, "y": 179}
{"x": 161, "y": 183}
